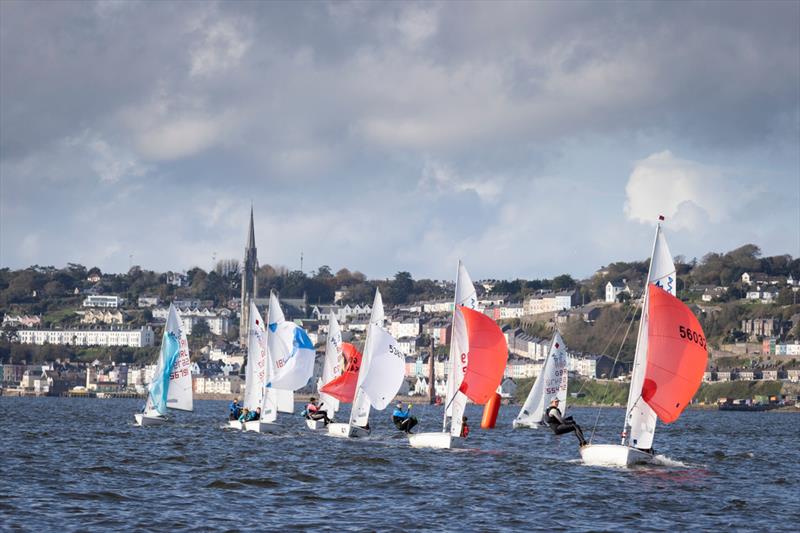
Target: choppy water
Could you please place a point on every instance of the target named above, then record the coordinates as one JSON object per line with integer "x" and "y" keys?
{"x": 81, "y": 464}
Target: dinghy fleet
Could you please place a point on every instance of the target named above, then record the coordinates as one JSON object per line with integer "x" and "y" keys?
{"x": 670, "y": 358}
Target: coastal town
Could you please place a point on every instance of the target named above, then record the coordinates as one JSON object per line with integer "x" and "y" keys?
{"x": 102, "y": 345}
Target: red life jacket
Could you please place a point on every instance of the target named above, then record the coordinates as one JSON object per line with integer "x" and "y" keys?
{"x": 465, "y": 431}
{"x": 311, "y": 408}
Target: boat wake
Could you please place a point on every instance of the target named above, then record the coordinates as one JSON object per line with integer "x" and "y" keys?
{"x": 663, "y": 460}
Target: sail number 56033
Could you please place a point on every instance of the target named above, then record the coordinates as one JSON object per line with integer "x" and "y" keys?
{"x": 688, "y": 334}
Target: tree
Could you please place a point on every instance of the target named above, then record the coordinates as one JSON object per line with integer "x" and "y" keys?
{"x": 401, "y": 288}
{"x": 563, "y": 282}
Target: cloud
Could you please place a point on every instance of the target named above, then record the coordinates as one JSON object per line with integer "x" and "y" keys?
{"x": 221, "y": 48}
{"x": 179, "y": 138}
{"x": 686, "y": 192}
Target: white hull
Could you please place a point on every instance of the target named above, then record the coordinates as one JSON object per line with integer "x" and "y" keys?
{"x": 347, "y": 431}
{"x": 143, "y": 419}
{"x": 315, "y": 424}
{"x": 234, "y": 424}
{"x": 613, "y": 455}
{"x": 519, "y": 424}
{"x": 260, "y": 426}
{"x": 439, "y": 440}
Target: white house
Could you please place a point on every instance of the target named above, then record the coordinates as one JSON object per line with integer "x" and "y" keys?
{"x": 98, "y": 300}
{"x": 614, "y": 289}
{"x": 136, "y": 338}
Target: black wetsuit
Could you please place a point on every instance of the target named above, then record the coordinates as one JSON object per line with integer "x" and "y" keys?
{"x": 560, "y": 425}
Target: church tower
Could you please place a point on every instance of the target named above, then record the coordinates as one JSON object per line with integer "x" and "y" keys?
{"x": 249, "y": 282}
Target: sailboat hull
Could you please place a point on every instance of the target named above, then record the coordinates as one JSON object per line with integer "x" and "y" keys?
{"x": 315, "y": 424}
{"x": 613, "y": 455}
{"x": 347, "y": 431}
{"x": 261, "y": 426}
{"x": 519, "y": 424}
{"x": 439, "y": 440}
{"x": 143, "y": 419}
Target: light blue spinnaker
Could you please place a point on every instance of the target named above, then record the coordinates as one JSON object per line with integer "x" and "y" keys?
{"x": 159, "y": 387}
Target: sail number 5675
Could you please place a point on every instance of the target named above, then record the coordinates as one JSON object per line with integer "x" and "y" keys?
{"x": 688, "y": 334}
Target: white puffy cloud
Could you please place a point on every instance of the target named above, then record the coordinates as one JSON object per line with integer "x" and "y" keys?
{"x": 686, "y": 192}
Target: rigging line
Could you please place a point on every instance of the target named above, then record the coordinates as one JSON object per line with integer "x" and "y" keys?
{"x": 611, "y": 340}
{"x": 608, "y": 383}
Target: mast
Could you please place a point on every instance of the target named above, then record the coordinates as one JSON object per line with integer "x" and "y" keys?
{"x": 450, "y": 360}
{"x": 633, "y": 396}
{"x": 431, "y": 377}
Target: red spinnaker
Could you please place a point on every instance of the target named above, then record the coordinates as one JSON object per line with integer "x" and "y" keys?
{"x": 677, "y": 355}
{"x": 343, "y": 387}
{"x": 488, "y": 354}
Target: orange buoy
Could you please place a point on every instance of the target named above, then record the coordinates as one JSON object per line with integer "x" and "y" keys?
{"x": 490, "y": 411}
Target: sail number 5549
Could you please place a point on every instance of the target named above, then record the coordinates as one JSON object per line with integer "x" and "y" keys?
{"x": 688, "y": 334}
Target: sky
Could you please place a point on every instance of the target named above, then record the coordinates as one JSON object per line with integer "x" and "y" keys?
{"x": 528, "y": 139}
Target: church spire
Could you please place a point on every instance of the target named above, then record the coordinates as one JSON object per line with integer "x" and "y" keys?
{"x": 251, "y": 236}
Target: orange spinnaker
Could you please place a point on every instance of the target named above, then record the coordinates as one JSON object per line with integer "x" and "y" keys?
{"x": 676, "y": 355}
{"x": 343, "y": 387}
{"x": 488, "y": 354}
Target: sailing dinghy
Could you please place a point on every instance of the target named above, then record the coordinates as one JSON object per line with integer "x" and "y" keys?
{"x": 478, "y": 356}
{"x": 290, "y": 364}
{"x": 550, "y": 384}
{"x": 671, "y": 356}
{"x": 380, "y": 376}
{"x": 330, "y": 371}
{"x": 171, "y": 386}
{"x": 255, "y": 374}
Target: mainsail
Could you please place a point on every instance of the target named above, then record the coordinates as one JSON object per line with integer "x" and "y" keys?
{"x": 171, "y": 386}
{"x": 466, "y": 297}
{"x": 332, "y": 366}
{"x": 256, "y": 369}
{"x": 551, "y": 383}
{"x": 359, "y": 414}
{"x": 640, "y": 419}
{"x": 676, "y": 357}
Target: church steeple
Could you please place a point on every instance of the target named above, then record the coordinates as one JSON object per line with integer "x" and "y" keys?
{"x": 249, "y": 281}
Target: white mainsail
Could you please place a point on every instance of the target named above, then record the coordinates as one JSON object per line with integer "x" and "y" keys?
{"x": 551, "y": 383}
{"x": 359, "y": 414}
{"x": 332, "y": 367}
{"x": 459, "y": 348}
{"x": 171, "y": 386}
{"x": 640, "y": 419}
{"x": 386, "y": 370}
{"x": 256, "y": 369}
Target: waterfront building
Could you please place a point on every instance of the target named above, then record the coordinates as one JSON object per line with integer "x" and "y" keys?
{"x": 218, "y": 321}
{"x": 135, "y": 338}
{"x": 98, "y": 316}
{"x": 24, "y": 321}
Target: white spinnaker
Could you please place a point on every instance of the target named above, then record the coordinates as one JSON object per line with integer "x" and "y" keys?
{"x": 359, "y": 414}
{"x": 332, "y": 366}
{"x": 551, "y": 383}
{"x": 459, "y": 349}
{"x": 639, "y": 417}
{"x": 179, "y": 394}
{"x": 256, "y": 369}
{"x": 386, "y": 368}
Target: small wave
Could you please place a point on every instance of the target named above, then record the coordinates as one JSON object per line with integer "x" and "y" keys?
{"x": 663, "y": 460}
{"x": 374, "y": 461}
{"x": 258, "y": 482}
{"x": 304, "y": 477}
{"x": 99, "y": 469}
{"x": 219, "y": 484}
{"x": 94, "y": 496}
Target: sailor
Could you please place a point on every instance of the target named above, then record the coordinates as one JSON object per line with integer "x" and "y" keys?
{"x": 561, "y": 425}
{"x": 314, "y": 411}
{"x": 256, "y": 415}
{"x": 402, "y": 419}
{"x": 235, "y": 409}
{"x": 464, "y": 427}
{"x": 245, "y": 416}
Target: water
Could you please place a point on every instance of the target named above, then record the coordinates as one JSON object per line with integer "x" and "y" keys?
{"x": 81, "y": 464}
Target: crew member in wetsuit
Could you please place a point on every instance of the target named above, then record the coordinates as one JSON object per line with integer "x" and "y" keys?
{"x": 235, "y": 409}
{"x": 464, "y": 428}
{"x": 561, "y": 425}
{"x": 402, "y": 419}
{"x": 314, "y": 411}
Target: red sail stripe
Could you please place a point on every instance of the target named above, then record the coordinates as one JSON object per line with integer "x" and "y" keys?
{"x": 487, "y": 357}
{"x": 676, "y": 355}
